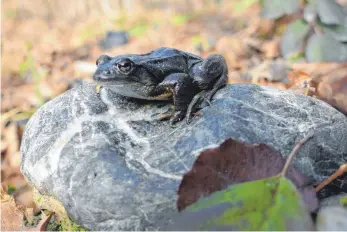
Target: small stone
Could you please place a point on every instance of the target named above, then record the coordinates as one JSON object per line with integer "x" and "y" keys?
{"x": 114, "y": 39}
{"x": 332, "y": 218}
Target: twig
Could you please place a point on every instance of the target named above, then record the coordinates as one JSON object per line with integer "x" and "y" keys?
{"x": 9, "y": 114}
{"x": 336, "y": 174}
{"x": 294, "y": 151}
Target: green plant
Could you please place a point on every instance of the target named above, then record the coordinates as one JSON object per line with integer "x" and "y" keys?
{"x": 29, "y": 67}
{"x": 320, "y": 32}
{"x": 11, "y": 189}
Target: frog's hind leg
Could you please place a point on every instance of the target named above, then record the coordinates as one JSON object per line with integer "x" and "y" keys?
{"x": 211, "y": 75}
{"x": 192, "y": 105}
{"x": 184, "y": 91}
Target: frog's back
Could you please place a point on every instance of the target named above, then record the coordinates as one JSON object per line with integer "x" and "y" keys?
{"x": 165, "y": 52}
{"x": 164, "y": 61}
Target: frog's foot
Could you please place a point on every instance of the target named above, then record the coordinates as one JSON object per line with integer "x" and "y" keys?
{"x": 184, "y": 91}
{"x": 192, "y": 105}
{"x": 208, "y": 97}
{"x": 177, "y": 116}
{"x": 163, "y": 116}
{"x": 221, "y": 82}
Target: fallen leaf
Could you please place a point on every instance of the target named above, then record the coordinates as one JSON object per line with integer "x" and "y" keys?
{"x": 29, "y": 214}
{"x": 270, "y": 70}
{"x": 265, "y": 28}
{"x": 232, "y": 162}
{"x": 12, "y": 139}
{"x": 42, "y": 226}
{"x": 299, "y": 81}
{"x": 266, "y": 204}
{"x": 271, "y": 48}
{"x": 238, "y": 48}
{"x": 328, "y": 82}
{"x": 11, "y": 214}
{"x": 333, "y": 90}
{"x": 318, "y": 69}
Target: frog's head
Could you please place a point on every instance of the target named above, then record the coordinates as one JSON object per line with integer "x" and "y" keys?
{"x": 116, "y": 70}
{"x": 125, "y": 75}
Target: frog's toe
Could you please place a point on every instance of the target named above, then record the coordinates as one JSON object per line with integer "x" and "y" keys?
{"x": 208, "y": 98}
{"x": 161, "y": 116}
{"x": 178, "y": 116}
{"x": 188, "y": 118}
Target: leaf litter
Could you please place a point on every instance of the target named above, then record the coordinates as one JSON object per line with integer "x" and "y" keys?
{"x": 246, "y": 40}
{"x": 238, "y": 186}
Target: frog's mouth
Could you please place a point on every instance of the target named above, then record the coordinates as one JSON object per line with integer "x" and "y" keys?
{"x": 131, "y": 89}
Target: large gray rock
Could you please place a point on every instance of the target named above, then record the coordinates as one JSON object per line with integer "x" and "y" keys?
{"x": 332, "y": 218}
{"x": 114, "y": 168}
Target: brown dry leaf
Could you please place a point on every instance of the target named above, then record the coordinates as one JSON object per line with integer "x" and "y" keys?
{"x": 333, "y": 90}
{"x": 11, "y": 214}
{"x": 24, "y": 196}
{"x": 22, "y": 97}
{"x": 4, "y": 145}
{"x": 318, "y": 69}
{"x": 29, "y": 214}
{"x": 266, "y": 27}
{"x": 271, "y": 71}
{"x": 271, "y": 48}
{"x": 233, "y": 162}
{"x": 12, "y": 140}
{"x": 42, "y": 226}
{"x": 233, "y": 49}
{"x": 328, "y": 82}
{"x": 299, "y": 81}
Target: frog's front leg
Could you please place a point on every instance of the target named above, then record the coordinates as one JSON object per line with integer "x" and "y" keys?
{"x": 211, "y": 75}
{"x": 184, "y": 91}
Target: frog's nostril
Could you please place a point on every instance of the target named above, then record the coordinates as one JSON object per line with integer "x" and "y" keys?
{"x": 106, "y": 72}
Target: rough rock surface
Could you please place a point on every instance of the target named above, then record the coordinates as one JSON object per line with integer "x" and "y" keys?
{"x": 332, "y": 218}
{"x": 333, "y": 200}
{"x": 114, "y": 168}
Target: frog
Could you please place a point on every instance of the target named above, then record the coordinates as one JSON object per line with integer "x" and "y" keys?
{"x": 164, "y": 74}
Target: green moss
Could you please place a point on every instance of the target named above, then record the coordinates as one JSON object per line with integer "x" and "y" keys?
{"x": 179, "y": 19}
{"x": 138, "y": 29}
{"x": 343, "y": 201}
{"x": 31, "y": 68}
{"x": 243, "y": 5}
{"x": 70, "y": 225}
{"x": 11, "y": 189}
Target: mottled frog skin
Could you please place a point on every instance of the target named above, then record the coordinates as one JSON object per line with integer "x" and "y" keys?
{"x": 164, "y": 74}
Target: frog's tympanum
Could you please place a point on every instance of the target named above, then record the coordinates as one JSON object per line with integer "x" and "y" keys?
{"x": 164, "y": 74}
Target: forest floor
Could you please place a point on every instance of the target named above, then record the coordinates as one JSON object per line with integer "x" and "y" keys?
{"x": 44, "y": 53}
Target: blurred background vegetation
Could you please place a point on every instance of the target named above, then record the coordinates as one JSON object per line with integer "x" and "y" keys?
{"x": 49, "y": 46}
{"x": 43, "y": 39}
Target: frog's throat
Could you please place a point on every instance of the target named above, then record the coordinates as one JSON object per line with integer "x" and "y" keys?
{"x": 137, "y": 91}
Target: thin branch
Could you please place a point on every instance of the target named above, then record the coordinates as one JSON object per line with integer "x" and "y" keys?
{"x": 339, "y": 172}
{"x": 294, "y": 151}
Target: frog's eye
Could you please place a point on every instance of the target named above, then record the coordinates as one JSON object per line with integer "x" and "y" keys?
{"x": 102, "y": 59}
{"x": 125, "y": 65}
